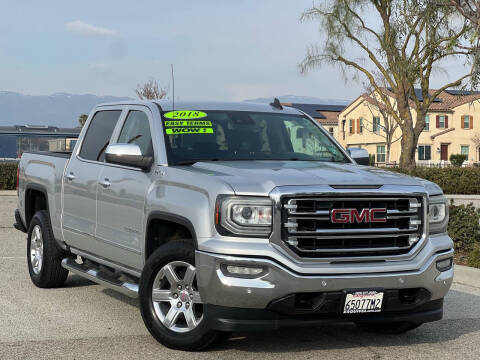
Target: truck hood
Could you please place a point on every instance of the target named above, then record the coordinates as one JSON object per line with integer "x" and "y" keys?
{"x": 261, "y": 177}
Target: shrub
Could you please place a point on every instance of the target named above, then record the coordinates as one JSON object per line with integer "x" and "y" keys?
{"x": 473, "y": 258}
{"x": 371, "y": 159}
{"x": 457, "y": 159}
{"x": 8, "y": 175}
{"x": 464, "y": 226}
{"x": 452, "y": 180}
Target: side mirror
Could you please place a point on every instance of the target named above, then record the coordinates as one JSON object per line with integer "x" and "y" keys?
{"x": 359, "y": 155}
{"x": 128, "y": 155}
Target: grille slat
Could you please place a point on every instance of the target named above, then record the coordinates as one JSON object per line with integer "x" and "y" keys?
{"x": 308, "y": 228}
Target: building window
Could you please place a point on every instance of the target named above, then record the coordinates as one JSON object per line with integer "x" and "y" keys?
{"x": 466, "y": 122}
{"x": 330, "y": 130}
{"x": 380, "y": 153}
{"x": 441, "y": 122}
{"x": 464, "y": 150}
{"x": 427, "y": 123}
{"x": 360, "y": 126}
{"x": 376, "y": 124}
{"x": 424, "y": 152}
{"x": 350, "y": 122}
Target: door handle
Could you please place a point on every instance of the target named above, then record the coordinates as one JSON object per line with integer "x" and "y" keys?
{"x": 70, "y": 177}
{"x": 105, "y": 183}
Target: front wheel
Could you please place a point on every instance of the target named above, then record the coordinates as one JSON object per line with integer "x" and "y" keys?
{"x": 170, "y": 302}
{"x": 399, "y": 327}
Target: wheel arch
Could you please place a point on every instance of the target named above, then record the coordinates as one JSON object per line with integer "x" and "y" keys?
{"x": 36, "y": 198}
{"x": 160, "y": 220}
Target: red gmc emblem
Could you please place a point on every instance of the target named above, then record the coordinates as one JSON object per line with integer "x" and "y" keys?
{"x": 344, "y": 216}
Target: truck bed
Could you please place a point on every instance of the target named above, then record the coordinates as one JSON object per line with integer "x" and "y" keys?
{"x": 43, "y": 172}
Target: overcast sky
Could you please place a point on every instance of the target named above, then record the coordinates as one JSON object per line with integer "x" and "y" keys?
{"x": 221, "y": 50}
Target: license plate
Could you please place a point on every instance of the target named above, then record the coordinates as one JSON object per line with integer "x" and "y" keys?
{"x": 359, "y": 302}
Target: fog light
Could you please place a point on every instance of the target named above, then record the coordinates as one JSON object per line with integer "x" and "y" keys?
{"x": 445, "y": 264}
{"x": 243, "y": 271}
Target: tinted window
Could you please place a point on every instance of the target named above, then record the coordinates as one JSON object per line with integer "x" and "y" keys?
{"x": 98, "y": 135}
{"x": 243, "y": 135}
{"x": 136, "y": 130}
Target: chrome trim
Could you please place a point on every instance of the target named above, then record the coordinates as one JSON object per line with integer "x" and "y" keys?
{"x": 359, "y": 250}
{"x": 120, "y": 246}
{"x": 106, "y": 262}
{"x": 127, "y": 155}
{"x": 68, "y": 228}
{"x": 95, "y": 275}
{"x": 348, "y": 231}
{"x": 329, "y": 192}
{"x": 355, "y": 236}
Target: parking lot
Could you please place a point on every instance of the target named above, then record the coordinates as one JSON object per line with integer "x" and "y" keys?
{"x": 87, "y": 321}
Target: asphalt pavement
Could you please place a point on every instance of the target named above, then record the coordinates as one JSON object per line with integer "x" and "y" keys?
{"x": 83, "y": 320}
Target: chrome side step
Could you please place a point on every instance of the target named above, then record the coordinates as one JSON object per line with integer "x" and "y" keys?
{"x": 127, "y": 288}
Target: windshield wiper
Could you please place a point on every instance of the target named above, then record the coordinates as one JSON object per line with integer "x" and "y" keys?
{"x": 191, "y": 162}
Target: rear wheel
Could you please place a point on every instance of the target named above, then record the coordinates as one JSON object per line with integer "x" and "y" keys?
{"x": 170, "y": 302}
{"x": 388, "y": 327}
{"x": 43, "y": 256}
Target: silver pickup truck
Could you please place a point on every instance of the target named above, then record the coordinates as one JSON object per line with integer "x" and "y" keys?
{"x": 226, "y": 217}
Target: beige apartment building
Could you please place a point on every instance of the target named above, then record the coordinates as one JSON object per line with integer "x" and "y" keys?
{"x": 452, "y": 127}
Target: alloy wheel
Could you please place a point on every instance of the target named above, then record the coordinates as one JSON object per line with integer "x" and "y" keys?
{"x": 36, "y": 249}
{"x": 175, "y": 297}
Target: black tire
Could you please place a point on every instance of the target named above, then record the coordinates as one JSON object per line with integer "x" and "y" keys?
{"x": 388, "y": 327}
{"x": 51, "y": 274}
{"x": 197, "y": 339}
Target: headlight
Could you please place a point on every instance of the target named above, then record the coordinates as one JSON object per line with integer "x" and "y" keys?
{"x": 438, "y": 214}
{"x": 242, "y": 215}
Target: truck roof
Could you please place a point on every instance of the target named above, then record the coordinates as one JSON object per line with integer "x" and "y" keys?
{"x": 209, "y": 105}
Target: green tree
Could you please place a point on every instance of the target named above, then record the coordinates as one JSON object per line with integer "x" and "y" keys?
{"x": 82, "y": 119}
{"x": 400, "y": 42}
{"x": 470, "y": 9}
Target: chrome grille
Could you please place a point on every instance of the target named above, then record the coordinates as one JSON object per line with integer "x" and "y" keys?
{"x": 309, "y": 231}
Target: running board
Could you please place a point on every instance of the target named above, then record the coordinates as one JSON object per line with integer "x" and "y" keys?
{"x": 127, "y": 288}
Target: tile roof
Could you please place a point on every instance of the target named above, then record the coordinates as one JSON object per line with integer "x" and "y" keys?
{"x": 446, "y": 101}
{"x": 323, "y": 113}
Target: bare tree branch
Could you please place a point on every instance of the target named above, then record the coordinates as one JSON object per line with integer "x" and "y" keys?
{"x": 411, "y": 39}
{"x": 150, "y": 90}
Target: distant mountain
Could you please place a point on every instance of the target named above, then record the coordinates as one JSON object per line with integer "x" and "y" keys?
{"x": 301, "y": 100}
{"x": 59, "y": 109}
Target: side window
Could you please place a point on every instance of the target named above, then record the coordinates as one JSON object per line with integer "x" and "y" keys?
{"x": 98, "y": 135}
{"x": 136, "y": 130}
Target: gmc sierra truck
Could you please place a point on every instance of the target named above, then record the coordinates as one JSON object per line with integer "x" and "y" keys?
{"x": 226, "y": 217}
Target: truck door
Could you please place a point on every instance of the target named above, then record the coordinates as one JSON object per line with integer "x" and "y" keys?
{"x": 81, "y": 181}
{"x": 121, "y": 195}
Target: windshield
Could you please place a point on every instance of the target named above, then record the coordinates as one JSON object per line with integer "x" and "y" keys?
{"x": 240, "y": 135}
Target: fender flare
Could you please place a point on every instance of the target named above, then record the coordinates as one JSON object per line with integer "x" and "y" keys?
{"x": 178, "y": 219}
{"x": 40, "y": 188}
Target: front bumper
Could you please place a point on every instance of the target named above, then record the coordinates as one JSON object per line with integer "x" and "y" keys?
{"x": 218, "y": 289}
{"x": 278, "y": 282}
{"x": 236, "y": 319}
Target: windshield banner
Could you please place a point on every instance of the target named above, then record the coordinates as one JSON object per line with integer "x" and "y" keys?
{"x": 184, "y": 125}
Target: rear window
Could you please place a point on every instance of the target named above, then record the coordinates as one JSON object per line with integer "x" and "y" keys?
{"x": 98, "y": 135}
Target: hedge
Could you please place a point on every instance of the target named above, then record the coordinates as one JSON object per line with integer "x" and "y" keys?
{"x": 8, "y": 175}
{"x": 464, "y": 226}
{"x": 452, "y": 180}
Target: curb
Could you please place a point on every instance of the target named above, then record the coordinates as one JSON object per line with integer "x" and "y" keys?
{"x": 8, "y": 192}
{"x": 466, "y": 275}
{"x": 464, "y": 200}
